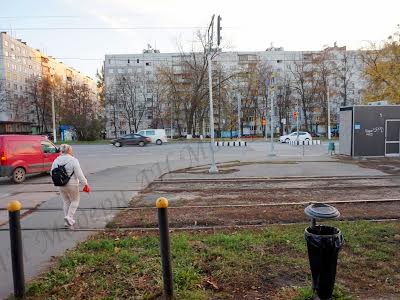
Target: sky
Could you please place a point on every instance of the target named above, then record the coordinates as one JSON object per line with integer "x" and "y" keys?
{"x": 251, "y": 25}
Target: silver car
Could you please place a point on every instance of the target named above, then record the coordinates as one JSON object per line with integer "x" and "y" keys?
{"x": 303, "y": 136}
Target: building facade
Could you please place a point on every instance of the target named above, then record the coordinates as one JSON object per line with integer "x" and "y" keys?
{"x": 19, "y": 63}
{"x": 339, "y": 74}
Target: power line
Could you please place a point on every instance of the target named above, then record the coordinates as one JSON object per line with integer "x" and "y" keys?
{"x": 38, "y": 17}
{"x": 107, "y": 28}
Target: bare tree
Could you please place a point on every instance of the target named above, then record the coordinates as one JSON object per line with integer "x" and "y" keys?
{"x": 80, "y": 111}
{"x": 343, "y": 72}
{"x": 39, "y": 96}
{"x": 187, "y": 81}
{"x": 323, "y": 69}
{"x": 284, "y": 101}
{"x": 131, "y": 98}
{"x": 305, "y": 85}
{"x": 4, "y": 97}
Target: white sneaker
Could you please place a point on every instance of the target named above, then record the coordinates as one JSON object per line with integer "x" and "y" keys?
{"x": 68, "y": 221}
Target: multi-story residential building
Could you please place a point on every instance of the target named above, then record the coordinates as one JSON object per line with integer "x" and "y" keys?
{"x": 344, "y": 80}
{"x": 18, "y": 63}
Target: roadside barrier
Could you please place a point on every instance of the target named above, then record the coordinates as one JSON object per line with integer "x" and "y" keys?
{"x": 231, "y": 143}
{"x": 162, "y": 207}
{"x": 298, "y": 143}
{"x": 14, "y": 209}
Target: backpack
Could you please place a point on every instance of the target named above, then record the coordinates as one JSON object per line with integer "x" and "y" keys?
{"x": 60, "y": 176}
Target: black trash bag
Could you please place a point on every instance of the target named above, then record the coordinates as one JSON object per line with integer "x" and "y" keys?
{"x": 323, "y": 244}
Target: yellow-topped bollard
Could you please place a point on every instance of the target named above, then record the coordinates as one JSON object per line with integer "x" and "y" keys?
{"x": 162, "y": 202}
{"x": 17, "y": 262}
{"x": 14, "y": 205}
{"x": 162, "y": 208}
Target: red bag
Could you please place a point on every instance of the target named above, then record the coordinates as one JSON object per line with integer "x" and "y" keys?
{"x": 86, "y": 188}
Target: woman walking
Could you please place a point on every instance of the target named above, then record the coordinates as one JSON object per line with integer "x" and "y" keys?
{"x": 67, "y": 174}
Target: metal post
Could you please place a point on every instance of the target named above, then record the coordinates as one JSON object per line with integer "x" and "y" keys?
{"x": 329, "y": 113}
{"x": 53, "y": 112}
{"x": 168, "y": 285}
{"x": 297, "y": 120}
{"x": 171, "y": 122}
{"x": 239, "y": 112}
{"x": 14, "y": 208}
{"x": 272, "y": 123}
{"x": 266, "y": 108}
{"x": 213, "y": 168}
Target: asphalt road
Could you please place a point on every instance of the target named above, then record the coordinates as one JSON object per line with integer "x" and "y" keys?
{"x": 115, "y": 175}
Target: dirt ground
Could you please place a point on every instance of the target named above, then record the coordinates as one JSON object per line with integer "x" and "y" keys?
{"x": 222, "y": 203}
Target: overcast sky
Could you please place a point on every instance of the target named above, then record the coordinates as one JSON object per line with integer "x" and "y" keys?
{"x": 247, "y": 25}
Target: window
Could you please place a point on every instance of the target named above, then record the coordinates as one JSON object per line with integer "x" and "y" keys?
{"x": 121, "y": 71}
{"x": 122, "y": 132}
{"x": 150, "y": 132}
{"x": 137, "y": 61}
{"x": 49, "y": 147}
{"x": 149, "y": 99}
{"x": 110, "y": 71}
{"x": 129, "y": 61}
{"x": 149, "y": 91}
{"x": 129, "y": 70}
{"x": 147, "y": 64}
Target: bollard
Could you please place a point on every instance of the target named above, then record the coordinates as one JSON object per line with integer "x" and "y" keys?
{"x": 14, "y": 208}
{"x": 162, "y": 207}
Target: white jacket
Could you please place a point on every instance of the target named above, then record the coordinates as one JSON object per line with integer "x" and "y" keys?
{"x": 71, "y": 165}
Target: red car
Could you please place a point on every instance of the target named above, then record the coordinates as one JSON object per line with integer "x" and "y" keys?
{"x": 25, "y": 154}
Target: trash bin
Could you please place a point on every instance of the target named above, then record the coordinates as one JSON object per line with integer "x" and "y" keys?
{"x": 323, "y": 245}
{"x": 331, "y": 147}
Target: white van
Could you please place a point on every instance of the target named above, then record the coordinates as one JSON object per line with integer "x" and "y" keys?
{"x": 157, "y": 136}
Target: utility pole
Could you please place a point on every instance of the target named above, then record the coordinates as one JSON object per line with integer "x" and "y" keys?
{"x": 266, "y": 108}
{"x": 171, "y": 121}
{"x": 272, "y": 115}
{"x": 213, "y": 168}
{"x": 53, "y": 112}
{"x": 297, "y": 120}
{"x": 329, "y": 112}
{"x": 239, "y": 112}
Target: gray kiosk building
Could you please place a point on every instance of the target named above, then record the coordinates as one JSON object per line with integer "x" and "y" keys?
{"x": 370, "y": 130}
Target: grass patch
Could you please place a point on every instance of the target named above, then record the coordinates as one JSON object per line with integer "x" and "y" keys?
{"x": 268, "y": 264}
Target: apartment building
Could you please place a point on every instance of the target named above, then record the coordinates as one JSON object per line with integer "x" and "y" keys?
{"x": 18, "y": 63}
{"x": 281, "y": 63}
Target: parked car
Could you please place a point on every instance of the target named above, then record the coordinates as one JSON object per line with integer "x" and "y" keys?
{"x": 157, "y": 136}
{"x": 315, "y": 134}
{"x": 25, "y": 154}
{"x": 131, "y": 139}
{"x": 303, "y": 136}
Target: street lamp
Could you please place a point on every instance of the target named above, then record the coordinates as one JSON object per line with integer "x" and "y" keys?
{"x": 213, "y": 168}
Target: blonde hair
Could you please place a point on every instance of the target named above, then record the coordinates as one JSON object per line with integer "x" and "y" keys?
{"x": 65, "y": 148}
